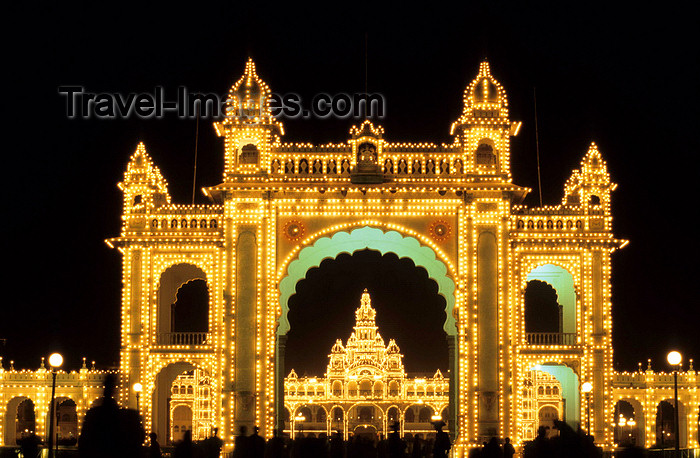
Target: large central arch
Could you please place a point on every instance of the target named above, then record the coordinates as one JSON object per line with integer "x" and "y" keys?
{"x": 350, "y": 240}
{"x": 391, "y": 241}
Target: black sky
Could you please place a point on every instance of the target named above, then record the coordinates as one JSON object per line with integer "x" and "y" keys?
{"x": 622, "y": 76}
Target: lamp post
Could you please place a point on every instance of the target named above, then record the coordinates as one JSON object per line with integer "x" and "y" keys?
{"x": 674, "y": 358}
{"x": 55, "y": 361}
{"x": 138, "y": 388}
{"x": 586, "y": 388}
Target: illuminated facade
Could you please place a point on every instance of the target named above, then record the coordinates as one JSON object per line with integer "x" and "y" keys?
{"x": 365, "y": 388}
{"x": 453, "y": 209}
{"x": 25, "y": 400}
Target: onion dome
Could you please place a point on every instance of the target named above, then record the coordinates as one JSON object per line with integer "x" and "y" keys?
{"x": 249, "y": 100}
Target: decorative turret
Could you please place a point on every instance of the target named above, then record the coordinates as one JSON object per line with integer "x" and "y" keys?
{"x": 590, "y": 185}
{"x": 365, "y": 314}
{"x": 249, "y": 126}
{"x": 484, "y": 129}
{"x": 368, "y": 153}
{"x": 144, "y": 187}
{"x": 365, "y": 349}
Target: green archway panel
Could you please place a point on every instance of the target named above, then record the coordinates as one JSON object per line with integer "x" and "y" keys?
{"x": 362, "y": 239}
{"x": 563, "y": 283}
{"x": 570, "y": 390}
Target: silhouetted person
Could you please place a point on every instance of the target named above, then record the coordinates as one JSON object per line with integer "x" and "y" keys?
{"x": 29, "y": 445}
{"x": 508, "y": 449}
{"x": 154, "y": 447}
{"x": 417, "y": 450}
{"x": 442, "y": 444}
{"x": 108, "y": 431}
{"x": 540, "y": 447}
{"x": 211, "y": 446}
{"x": 337, "y": 445}
{"x": 185, "y": 447}
{"x": 241, "y": 447}
{"x": 492, "y": 449}
{"x": 396, "y": 447}
{"x": 257, "y": 444}
{"x": 275, "y": 446}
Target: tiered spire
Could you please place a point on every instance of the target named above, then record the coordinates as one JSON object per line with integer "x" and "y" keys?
{"x": 365, "y": 314}
{"x": 144, "y": 187}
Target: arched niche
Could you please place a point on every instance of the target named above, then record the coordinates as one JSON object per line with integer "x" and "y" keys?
{"x": 563, "y": 283}
{"x": 161, "y": 395}
{"x": 570, "y": 390}
{"x": 170, "y": 282}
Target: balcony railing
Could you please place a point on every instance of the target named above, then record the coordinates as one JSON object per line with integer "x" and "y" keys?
{"x": 183, "y": 338}
{"x": 551, "y": 338}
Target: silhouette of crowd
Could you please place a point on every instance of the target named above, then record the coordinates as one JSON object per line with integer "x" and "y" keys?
{"x": 567, "y": 444}
{"x": 358, "y": 446}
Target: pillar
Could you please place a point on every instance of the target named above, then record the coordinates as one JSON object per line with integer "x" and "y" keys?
{"x": 245, "y": 329}
{"x": 487, "y": 316}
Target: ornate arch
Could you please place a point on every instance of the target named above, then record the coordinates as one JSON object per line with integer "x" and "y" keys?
{"x": 413, "y": 246}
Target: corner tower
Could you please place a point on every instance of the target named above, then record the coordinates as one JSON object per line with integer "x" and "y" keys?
{"x": 483, "y": 131}
{"x": 249, "y": 127}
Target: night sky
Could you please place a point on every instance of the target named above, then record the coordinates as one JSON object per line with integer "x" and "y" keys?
{"x": 626, "y": 78}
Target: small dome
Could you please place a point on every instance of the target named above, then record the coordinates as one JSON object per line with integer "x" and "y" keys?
{"x": 250, "y": 96}
{"x": 484, "y": 89}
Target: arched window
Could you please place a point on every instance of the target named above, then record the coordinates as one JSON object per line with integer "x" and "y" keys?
{"x": 249, "y": 154}
{"x": 410, "y": 417}
{"x": 485, "y": 155}
{"x": 542, "y": 311}
{"x": 337, "y": 388}
{"x": 424, "y": 414}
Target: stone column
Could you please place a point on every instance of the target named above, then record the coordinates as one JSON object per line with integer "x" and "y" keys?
{"x": 487, "y": 316}
{"x": 135, "y": 331}
{"x": 245, "y": 329}
{"x": 452, "y": 399}
{"x": 279, "y": 381}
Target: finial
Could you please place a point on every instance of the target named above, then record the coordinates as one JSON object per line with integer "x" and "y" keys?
{"x": 93, "y": 366}
{"x": 84, "y": 365}
{"x": 12, "y": 365}
{"x": 640, "y": 366}
{"x": 43, "y": 363}
{"x": 690, "y": 364}
{"x": 649, "y": 364}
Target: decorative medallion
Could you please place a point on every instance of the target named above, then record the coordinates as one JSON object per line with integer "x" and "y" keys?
{"x": 440, "y": 230}
{"x": 294, "y": 230}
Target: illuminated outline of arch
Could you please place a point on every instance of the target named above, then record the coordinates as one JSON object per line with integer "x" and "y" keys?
{"x": 375, "y": 239}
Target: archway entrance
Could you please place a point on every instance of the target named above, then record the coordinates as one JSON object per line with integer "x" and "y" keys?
{"x": 182, "y": 401}
{"x": 358, "y": 259}
{"x": 20, "y": 419}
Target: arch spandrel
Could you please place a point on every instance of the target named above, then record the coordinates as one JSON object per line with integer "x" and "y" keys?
{"x": 351, "y": 240}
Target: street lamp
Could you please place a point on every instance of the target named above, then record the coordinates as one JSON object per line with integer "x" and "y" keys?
{"x": 674, "y": 358}
{"x": 55, "y": 361}
{"x": 586, "y": 388}
{"x": 138, "y": 388}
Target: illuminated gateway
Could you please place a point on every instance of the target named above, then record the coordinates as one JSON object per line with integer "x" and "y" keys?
{"x": 453, "y": 209}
